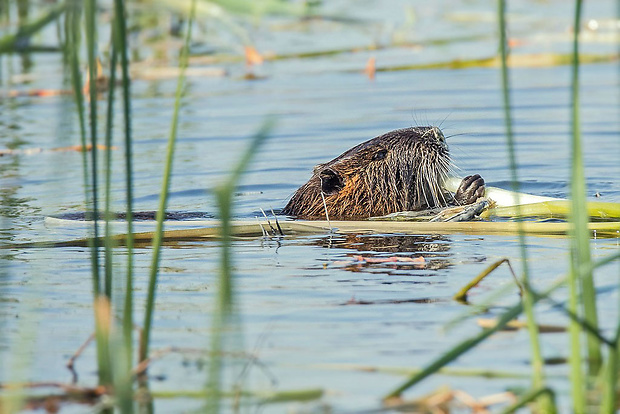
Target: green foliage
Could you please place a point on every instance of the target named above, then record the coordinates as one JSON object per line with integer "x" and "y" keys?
{"x": 581, "y": 308}
{"x": 17, "y": 41}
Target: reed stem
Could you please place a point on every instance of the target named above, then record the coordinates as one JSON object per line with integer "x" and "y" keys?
{"x": 163, "y": 198}
{"x": 122, "y": 50}
{"x": 538, "y": 376}
{"x": 108, "y": 262}
{"x": 580, "y": 252}
{"x": 223, "y": 313}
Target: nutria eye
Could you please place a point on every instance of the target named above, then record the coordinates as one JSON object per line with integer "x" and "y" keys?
{"x": 379, "y": 155}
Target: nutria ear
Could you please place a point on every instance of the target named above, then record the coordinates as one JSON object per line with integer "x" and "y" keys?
{"x": 331, "y": 181}
{"x": 317, "y": 168}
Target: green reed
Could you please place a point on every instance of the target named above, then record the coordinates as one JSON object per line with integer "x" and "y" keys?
{"x": 610, "y": 401}
{"x": 72, "y": 48}
{"x": 575, "y": 360}
{"x": 163, "y": 198}
{"x": 111, "y": 369}
{"x": 91, "y": 47}
{"x": 581, "y": 307}
{"x": 116, "y": 371}
{"x": 538, "y": 379}
{"x": 224, "y": 309}
{"x": 10, "y": 42}
{"x": 108, "y": 168}
{"x": 123, "y": 378}
{"x": 120, "y": 42}
{"x": 580, "y": 252}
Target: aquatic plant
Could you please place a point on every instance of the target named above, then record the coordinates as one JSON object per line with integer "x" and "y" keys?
{"x": 118, "y": 373}
{"x": 581, "y": 308}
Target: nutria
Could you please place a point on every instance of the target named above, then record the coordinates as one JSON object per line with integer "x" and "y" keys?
{"x": 402, "y": 170}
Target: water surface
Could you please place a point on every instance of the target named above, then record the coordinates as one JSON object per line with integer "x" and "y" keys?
{"x": 308, "y": 311}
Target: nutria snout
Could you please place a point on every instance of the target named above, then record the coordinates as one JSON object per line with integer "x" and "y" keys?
{"x": 402, "y": 170}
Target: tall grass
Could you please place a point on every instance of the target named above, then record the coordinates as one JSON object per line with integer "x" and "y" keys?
{"x": 116, "y": 372}
{"x": 123, "y": 382}
{"x": 538, "y": 377}
{"x": 72, "y": 48}
{"x": 163, "y": 197}
{"x": 119, "y": 373}
{"x": 224, "y": 308}
{"x": 115, "y": 347}
{"x": 112, "y": 371}
{"x": 581, "y": 308}
{"x": 580, "y": 241}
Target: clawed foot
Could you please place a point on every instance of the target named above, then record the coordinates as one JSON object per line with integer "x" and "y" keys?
{"x": 471, "y": 189}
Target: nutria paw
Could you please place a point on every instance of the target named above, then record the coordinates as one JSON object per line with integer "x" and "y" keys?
{"x": 471, "y": 189}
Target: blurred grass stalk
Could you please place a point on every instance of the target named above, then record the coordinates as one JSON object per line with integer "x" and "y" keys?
{"x": 610, "y": 374}
{"x": 224, "y": 309}
{"x": 582, "y": 299}
{"x": 546, "y": 403}
{"x": 122, "y": 370}
{"x": 117, "y": 371}
{"x": 102, "y": 300}
{"x": 124, "y": 384}
{"x": 72, "y": 48}
{"x": 582, "y": 295}
{"x": 111, "y": 343}
{"x": 163, "y": 197}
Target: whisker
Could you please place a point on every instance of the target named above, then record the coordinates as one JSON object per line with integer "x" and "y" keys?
{"x": 457, "y": 135}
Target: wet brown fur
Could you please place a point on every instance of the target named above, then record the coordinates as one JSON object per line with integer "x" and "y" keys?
{"x": 399, "y": 171}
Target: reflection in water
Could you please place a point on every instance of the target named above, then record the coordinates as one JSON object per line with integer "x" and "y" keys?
{"x": 138, "y": 215}
{"x": 354, "y": 301}
{"x": 405, "y": 261}
{"x": 392, "y": 254}
{"x": 379, "y": 243}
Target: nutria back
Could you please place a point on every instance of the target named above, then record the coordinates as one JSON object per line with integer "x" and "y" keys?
{"x": 402, "y": 170}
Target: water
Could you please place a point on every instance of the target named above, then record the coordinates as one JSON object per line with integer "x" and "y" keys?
{"x": 309, "y": 313}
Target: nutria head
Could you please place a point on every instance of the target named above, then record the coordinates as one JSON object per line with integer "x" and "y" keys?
{"x": 402, "y": 170}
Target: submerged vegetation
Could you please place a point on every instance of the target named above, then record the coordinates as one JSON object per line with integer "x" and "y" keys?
{"x": 123, "y": 344}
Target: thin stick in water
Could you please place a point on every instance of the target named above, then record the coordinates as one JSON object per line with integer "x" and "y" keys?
{"x": 277, "y": 222}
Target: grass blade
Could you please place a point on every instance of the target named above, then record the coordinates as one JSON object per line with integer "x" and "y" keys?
{"x": 123, "y": 374}
{"x": 10, "y": 42}
{"x": 163, "y": 198}
{"x": 580, "y": 252}
{"x": 529, "y": 397}
{"x": 538, "y": 379}
{"x": 90, "y": 29}
{"x": 224, "y": 309}
{"x": 467, "y": 344}
{"x": 456, "y": 352}
{"x": 122, "y": 49}
{"x": 108, "y": 171}
{"x": 102, "y": 303}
